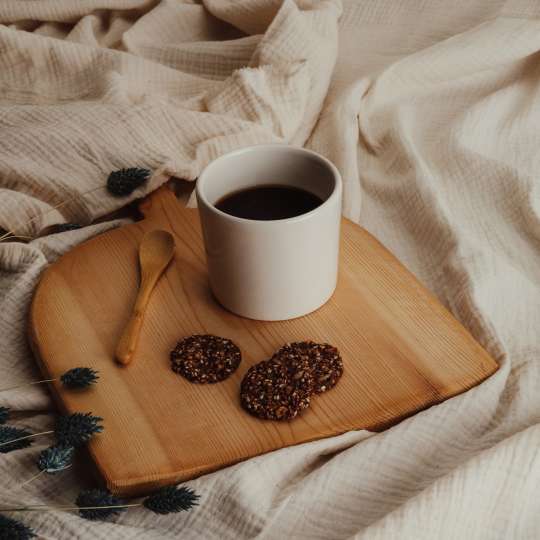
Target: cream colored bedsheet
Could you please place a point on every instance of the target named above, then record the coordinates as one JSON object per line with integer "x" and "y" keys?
{"x": 431, "y": 111}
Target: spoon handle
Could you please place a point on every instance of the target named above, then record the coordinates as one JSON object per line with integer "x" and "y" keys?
{"x": 130, "y": 337}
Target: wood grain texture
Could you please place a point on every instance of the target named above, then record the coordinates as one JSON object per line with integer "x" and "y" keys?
{"x": 402, "y": 351}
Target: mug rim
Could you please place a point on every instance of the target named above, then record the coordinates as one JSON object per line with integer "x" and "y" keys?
{"x": 336, "y": 191}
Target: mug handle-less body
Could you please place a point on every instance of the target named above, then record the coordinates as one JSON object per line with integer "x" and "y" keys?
{"x": 271, "y": 270}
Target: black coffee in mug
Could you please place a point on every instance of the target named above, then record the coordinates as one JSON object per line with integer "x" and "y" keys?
{"x": 268, "y": 202}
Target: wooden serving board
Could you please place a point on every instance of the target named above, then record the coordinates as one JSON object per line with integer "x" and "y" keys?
{"x": 402, "y": 352}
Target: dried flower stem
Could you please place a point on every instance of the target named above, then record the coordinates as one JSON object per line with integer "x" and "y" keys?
{"x": 31, "y": 479}
{"x": 27, "y": 437}
{"x": 11, "y": 234}
{"x": 37, "y": 475}
{"x": 75, "y": 378}
{"x": 41, "y": 507}
{"x": 27, "y": 384}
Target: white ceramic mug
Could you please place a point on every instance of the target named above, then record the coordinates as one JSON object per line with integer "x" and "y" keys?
{"x": 271, "y": 270}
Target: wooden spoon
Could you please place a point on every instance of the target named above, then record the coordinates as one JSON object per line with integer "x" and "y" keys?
{"x": 155, "y": 253}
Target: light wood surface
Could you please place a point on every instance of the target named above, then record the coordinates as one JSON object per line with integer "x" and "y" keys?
{"x": 402, "y": 352}
{"x": 155, "y": 253}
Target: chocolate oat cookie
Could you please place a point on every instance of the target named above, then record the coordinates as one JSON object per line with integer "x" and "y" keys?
{"x": 280, "y": 388}
{"x": 277, "y": 390}
{"x": 322, "y": 359}
{"x": 205, "y": 359}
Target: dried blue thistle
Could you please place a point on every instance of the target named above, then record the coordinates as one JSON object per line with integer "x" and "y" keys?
{"x": 98, "y": 504}
{"x": 101, "y": 504}
{"x": 76, "y": 378}
{"x": 11, "y": 529}
{"x": 171, "y": 499}
{"x": 4, "y": 414}
{"x": 76, "y": 429}
{"x": 79, "y": 377}
{"x": 95, "y": 504}
{"x": 124, "y": 182}
{"x": 55, "y": 459}
{"x": 72, "y": 430}
{"x": 12, "y": 438}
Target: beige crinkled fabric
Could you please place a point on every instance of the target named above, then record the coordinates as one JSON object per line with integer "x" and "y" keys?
{"x": 431, "y": 112}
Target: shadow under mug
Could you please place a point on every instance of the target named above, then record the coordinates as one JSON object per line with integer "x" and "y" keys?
{"x": 279, "y": 269}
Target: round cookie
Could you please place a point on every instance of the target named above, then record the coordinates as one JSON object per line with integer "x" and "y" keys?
{"x": 275, "y": 390}
{"x": 322, "y": 359}
{"x": 205, "y": 359}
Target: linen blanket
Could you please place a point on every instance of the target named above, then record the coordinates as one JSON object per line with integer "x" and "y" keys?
{"x": 429, "y": 108}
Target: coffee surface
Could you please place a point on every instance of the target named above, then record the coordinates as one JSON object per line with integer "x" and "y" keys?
{"x": 268, "y": 202}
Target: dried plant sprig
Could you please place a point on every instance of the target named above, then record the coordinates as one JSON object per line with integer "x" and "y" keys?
{"x": 10, "y": 234}
{"x": 12, "y": 438}
{"x": 74, "y": 379}
{"x": 79, "y": 377}
{"x": 98, "y": 504}
{"x": 55, "y": 459}
{"x": 171, "y": 499}
{"x": 10, "y": 529}
{"x": 101, "y": 504}
{"x": 77, "y": 429}
{"x": 124, "y": 182}
{"x": 52, "y": 460}
{"x": 4, "y": 414}
{"x": 71, "y": 430}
